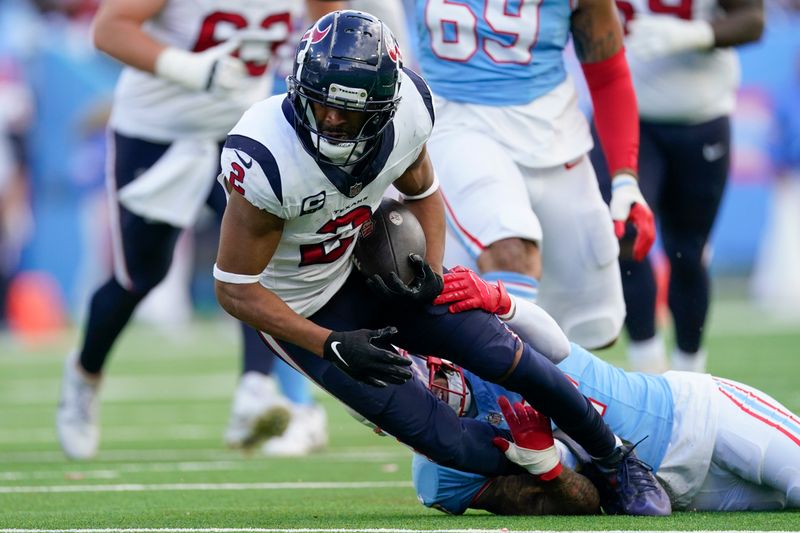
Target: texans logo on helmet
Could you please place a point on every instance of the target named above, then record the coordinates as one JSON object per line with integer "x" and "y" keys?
{"x": 315, "y": 34}
{"x": 394, "y": 51}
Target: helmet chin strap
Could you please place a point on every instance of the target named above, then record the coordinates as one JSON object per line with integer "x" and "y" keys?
{"x": 337, "y": 152}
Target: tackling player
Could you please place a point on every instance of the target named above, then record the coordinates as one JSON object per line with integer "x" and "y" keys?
{"x": 523, "y": 205}
{"x": 716, "y": 445}
{"x": 304, "y": 172}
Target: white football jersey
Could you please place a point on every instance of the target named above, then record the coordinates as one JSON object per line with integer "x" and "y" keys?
{"x": 690, "y": 87}
{"x": 264, "y": 160}
{"x": 151, "y": 108}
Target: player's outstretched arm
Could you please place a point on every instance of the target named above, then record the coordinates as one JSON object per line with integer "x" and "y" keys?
{"x": 597, "y": 34}
{"x": 465, "y": 290}
{"x": 118, "y": 32}
{"x": 249, "y": 237}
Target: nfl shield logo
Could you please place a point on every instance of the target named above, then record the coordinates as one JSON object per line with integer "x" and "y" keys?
{"x": 355, "y": 189}
{"x": 494, "y": 418}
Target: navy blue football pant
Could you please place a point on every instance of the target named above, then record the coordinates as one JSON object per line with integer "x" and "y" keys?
{"x": 475, "y": 340}
{"x": 147, "y": 247}
{"x": 683, "y": 170}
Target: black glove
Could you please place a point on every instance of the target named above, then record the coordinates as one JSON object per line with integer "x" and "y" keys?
{"x": 367, "y": 356}
{"x": 424, "y": 288}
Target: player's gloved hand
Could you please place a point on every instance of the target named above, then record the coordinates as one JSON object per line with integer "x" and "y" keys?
{"x": 533, "y": 448}
{"x": 212, "y": 70}
{"x": 654, "y": 36}
{"x": 464, "y": 290}
{"x": 425, "y": 286}
{"x": 367, "y": 356}
{"x": 628, "y": 205}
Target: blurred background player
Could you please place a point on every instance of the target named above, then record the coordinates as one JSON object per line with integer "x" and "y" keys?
{"x": 192, "y": 68}
{"x": 510, "y": 149}
{"x": 715, "y": 444}
{"x": 686, "y": 77}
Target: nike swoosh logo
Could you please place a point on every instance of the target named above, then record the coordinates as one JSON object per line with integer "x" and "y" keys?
{"x": 247, "y": 164}
{"x": 334, "y": 344}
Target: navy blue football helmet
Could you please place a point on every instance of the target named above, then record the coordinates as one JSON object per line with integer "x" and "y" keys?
{"x": 347, "y": 60}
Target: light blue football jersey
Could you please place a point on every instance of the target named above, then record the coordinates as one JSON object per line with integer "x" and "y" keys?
{"x": 493, "y": 52}
{"x": 634, "y": 405}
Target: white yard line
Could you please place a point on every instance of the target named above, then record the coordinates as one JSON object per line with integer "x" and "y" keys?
{"x": 157, "y": 487}
{"x": 365, "y": 454}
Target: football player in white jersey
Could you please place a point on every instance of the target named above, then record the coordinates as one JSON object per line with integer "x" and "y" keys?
{"x": 715, "y": 444}
{"x": 191, "y": 69}
{"x": 685, "y": 74}
{"x": 510, "y": 149}
{"x": 304, "y": 172}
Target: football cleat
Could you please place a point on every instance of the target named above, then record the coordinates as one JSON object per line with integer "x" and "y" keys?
{"x": 628, "y": 486}
{"x": 259, "y": 412}
{"x": 78, "y": 412}
{"x": 307, "y": 433}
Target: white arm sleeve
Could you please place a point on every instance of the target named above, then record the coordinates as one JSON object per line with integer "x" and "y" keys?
{"x": 539, "y": 329}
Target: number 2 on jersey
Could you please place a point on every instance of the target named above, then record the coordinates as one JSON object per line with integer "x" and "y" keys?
{"x": 335, "y": 247}
{"x": 453, "y": 28}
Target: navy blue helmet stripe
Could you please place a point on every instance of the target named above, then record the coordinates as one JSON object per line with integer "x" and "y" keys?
{"x": 262, "y": 156}
{"x": 422, "y": 87}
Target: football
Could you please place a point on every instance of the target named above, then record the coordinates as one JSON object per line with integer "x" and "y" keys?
{"x": 386, "y": 240}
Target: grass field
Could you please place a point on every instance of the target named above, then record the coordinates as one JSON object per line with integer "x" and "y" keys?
{"x": 162, "y": 465}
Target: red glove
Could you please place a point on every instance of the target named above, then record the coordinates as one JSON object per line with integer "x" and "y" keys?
{"x": 465, "y": 290}
{"x": 533, "y": 448}
{"x": 628, "y": 205}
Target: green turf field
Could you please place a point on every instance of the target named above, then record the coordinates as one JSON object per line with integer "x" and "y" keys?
{"x": 162, "y": 465}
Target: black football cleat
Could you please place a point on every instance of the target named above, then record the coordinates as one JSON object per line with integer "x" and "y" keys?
{"x": 632, "y": 488}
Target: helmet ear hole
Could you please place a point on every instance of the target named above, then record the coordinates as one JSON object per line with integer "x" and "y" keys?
{"x": 347, "y": 60}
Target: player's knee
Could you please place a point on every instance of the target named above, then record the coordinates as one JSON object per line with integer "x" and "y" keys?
{"x": 515, "y": 255}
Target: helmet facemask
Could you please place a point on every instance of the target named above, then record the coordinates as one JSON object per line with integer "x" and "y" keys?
{"x": 446, "y": 381}
{"x": 336, "y": 150}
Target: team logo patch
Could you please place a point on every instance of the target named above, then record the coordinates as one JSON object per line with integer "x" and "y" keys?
{"x": 394, "y": 51}
{"x": 312, "y": 203}
{"x": 315, "y": 35}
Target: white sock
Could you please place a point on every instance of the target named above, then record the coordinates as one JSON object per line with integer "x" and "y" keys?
{"x": 648, "y": 356}
{"x": 689, "y": 362}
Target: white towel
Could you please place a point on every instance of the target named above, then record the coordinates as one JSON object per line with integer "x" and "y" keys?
{"x": 176, "y": 187}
